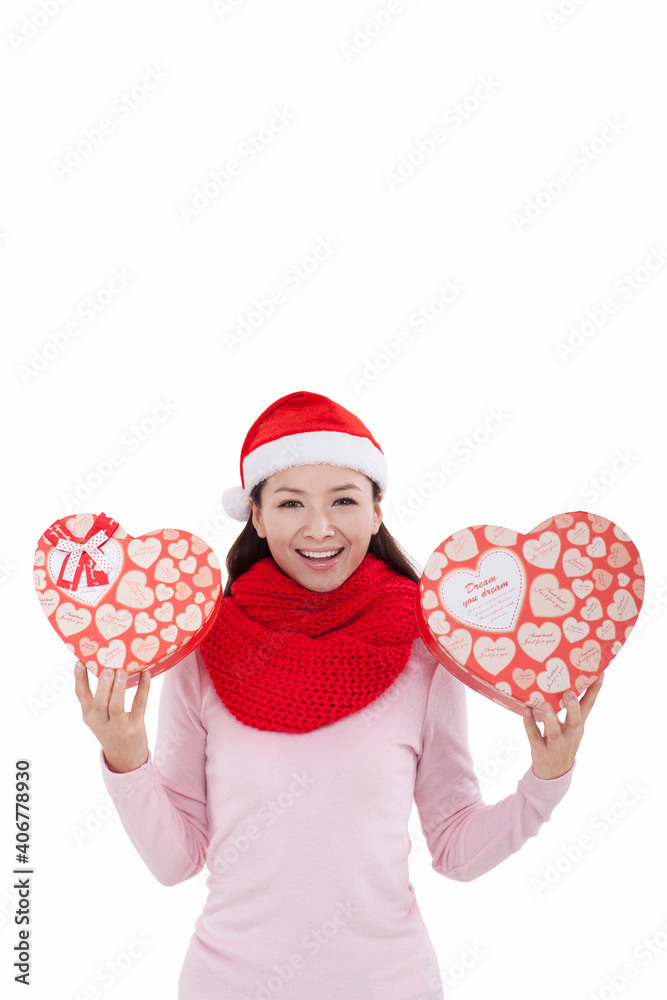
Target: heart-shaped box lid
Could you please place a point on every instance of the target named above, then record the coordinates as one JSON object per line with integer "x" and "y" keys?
{"x": 523, "y": 618}
{"x": 139, "y": 603}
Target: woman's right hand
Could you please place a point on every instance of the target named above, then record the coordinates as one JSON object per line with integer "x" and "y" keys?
{"x": 121, "y": 734}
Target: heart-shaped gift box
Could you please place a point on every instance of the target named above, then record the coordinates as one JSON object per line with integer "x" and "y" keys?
{"x": 522, "y": 618}
{"x": 117, "y": 601}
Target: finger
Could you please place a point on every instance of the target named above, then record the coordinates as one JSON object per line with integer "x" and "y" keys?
{"x": 117, "y": 697}
{"x": 573, "y": 713}
{"x": 532, "y": 728}
{"x": 102, "y": 692}
{"x": 141, "y": 697}
{"x": 552, "y": 726}
{"x": 82, "y": 689}
{"x": 590, "y": 695}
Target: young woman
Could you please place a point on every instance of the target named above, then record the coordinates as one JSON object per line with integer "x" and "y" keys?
{"x": 292, "y": 742}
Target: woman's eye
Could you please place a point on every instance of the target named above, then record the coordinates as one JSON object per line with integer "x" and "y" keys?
{"x": 346, "y": 500}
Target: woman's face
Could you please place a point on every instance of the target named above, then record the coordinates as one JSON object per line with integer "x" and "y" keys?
{"x": 317, "y": 509}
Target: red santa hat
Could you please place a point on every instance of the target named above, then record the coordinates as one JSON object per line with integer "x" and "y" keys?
{"x": 303, "y": 428}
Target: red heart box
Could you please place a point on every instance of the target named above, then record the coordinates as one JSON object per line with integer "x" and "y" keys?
{"x": 138, "y": 603}
{"x": 522, "y": 618}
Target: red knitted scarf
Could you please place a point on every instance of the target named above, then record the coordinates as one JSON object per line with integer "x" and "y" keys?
{"x": 288, "y": 659}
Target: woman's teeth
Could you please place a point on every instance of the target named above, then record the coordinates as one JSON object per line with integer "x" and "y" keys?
{"x": 320, "y": 555}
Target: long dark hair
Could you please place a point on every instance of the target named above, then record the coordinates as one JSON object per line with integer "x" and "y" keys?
{"x": 248, "y": 548}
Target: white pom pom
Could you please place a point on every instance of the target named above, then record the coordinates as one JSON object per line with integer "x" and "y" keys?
{"x": 235, "y": 503}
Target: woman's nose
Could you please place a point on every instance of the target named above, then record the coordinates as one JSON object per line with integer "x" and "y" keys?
{"x": 318, "y": 524}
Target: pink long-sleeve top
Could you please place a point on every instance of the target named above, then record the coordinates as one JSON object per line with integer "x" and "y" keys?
{"x": 305, "y": 835}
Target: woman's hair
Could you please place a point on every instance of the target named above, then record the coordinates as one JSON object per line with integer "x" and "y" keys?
{"x": 248, "y": 548}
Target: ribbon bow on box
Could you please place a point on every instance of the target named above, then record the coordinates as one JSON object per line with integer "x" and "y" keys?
{"x": 84, "y": 555}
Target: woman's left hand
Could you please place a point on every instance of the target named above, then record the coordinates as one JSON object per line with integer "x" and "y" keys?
{"x": 554, "y": 753}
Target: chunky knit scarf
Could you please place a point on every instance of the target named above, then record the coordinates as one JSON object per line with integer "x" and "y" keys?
{"x": 288, "y": 659}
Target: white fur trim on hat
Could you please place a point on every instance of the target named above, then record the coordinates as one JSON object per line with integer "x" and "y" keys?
{"x": 351, "y": 451}
{"x": 235, "y": 503}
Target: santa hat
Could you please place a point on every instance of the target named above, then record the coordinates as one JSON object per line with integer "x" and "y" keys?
{"x": 303, "y": 428}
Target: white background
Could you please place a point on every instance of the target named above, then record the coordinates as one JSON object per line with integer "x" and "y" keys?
{"x": 581, "y": 429}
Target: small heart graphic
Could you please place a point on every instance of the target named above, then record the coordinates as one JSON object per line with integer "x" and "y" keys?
{"x": 190, "y": 620}
{"x": 603, "y": 579}
{"x": 203, "y": 577}
{"x": 543, "y": 552}
{"x": 623, "y": 607}
{"x": 182, "y": 591}
{"x": 163, "y": 593}
{"x": 144, "y": 551}
{"x": 597, "y": 548}
{"x": 112, "y": 655}
{"x": 574, "y": 564}
{"x": 178, "y": 549}
{"x": 618, "y": 555}
{"x": 494, "y": 655}
{"x": 462, "y": 546}
{"x": 548, "y": 599}
{"x": 586, "y": 657}
{"x": 538, "y": 642}
{"x": 574, "y": 630}
{"x": 499, "y": 536}
{"x": 112, "y": 621}
{"x": 188, "y": 565}
{"x": 593, "y": 610}
{"x": 606, "y": 631}
{"x": 458, "y": 644}
{"x": 435, "y": 565}
{"x": 580, "y": 534}
{"x": 142, "y": 623}
{"x": 71, "y": 619}
{"x": 438, "y": 623}
{"x": 582, "y": 588}
{"x": 132, "y": 590}
{"x": 429, "y": 600}
{"x": 87, "y": 646}
{"x": 555, "y": 677}
{"x": 523, "y": 678}
{"x": 146, "y": 648}
{"x": 166, "y": 572}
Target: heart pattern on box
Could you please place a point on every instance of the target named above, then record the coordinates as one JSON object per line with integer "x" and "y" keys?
{"x": 523, "y": 618}
{"x": 138, "y": 603}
